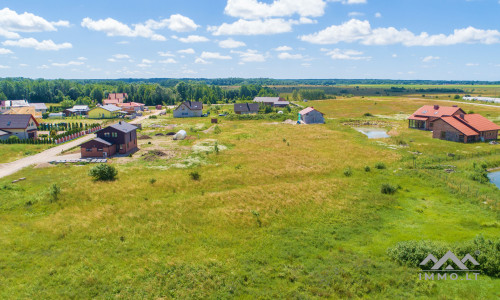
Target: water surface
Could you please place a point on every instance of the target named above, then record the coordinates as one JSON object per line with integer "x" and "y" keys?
{"x": 495, "y": 178}
{"x": 373, "y": 133}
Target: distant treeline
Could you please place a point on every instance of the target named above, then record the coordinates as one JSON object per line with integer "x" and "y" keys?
{"x": 70, "y": 92}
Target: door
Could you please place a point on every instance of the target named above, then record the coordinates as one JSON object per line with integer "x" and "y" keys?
{"x": 104, "y": 154}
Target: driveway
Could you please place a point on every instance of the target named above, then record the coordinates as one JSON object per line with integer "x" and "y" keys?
{"x": 54, "y": 152}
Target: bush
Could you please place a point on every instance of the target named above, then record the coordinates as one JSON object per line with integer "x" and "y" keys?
{"x": 388, "y": 189}
{"x": 348, "y": 172}
{"x": 217, "y": 129}
{"x": 103, "y": 172}
{"x": 54, "y": 192}
{"x": 195, "y": 175}
{"x": 367, "y": 115}
{"x": 380, "y": 165}
{"x": 367, "y": 169}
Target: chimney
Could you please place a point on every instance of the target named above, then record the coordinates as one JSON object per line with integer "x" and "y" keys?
{"x": 462, "y": 116}
{"x": 436, "y": 107}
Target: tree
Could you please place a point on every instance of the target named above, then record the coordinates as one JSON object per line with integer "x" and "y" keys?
{"x": 97, "y": 94}
{"x": 103, "y": 172}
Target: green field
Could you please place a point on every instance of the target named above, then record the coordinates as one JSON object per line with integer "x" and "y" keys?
{"x": 273, "y": 214}
{"x": 11, "y": 152}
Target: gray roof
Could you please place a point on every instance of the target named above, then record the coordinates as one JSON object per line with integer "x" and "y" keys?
{"x": 193, "y": 105}
{"x": 16, "y": 103}
{"x": 244, "y": 107}
{"x": 39, "y": 106}
{"x": 266, "y": 99}
{"x": 80, "y": 107}
{"x": 14, "y": 121}
{"x": 123, "y": 127}
{"x": 111, "y": 107}
{"x": 102, "y": 141}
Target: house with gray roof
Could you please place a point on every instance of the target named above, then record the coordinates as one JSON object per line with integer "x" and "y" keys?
{"x": 118, "y": 138}
{"x": 246, "y": 108}
{"x": 23, "y": 126}
{"x": 189, "y": 109}
{"x": 273, "y": 101}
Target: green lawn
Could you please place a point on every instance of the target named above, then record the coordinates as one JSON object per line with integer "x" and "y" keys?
{"x": 272, "y": 216}
{"x": 11, "y": 152}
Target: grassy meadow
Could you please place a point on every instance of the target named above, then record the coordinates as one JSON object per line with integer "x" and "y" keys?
{"x": 273, "y": 214}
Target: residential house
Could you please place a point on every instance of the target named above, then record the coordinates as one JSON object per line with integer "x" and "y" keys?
{"x": 131, "y": 107}
{"x": 22, "y": 126}
{"x": 39, "y": 107}
{"x": 118, "y": 138}
{"x": 246, "y": 108}
{"x": 108, "y": 111}
{"x": 273, "y": 101}
{"x": 189, "y": 109}
{"x": 24, "y": 110}
{"x": 310, "y": 115}
{"x": 9, "y": 104}
{"x": 115, "y": 98}
{"x": 465, "y": 128}
{"x": 423, "y": 118}
{"x": 77, "y": 110}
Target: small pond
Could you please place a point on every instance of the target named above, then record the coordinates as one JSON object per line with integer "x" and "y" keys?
{"x": 373, "y": 133}
{"x": 495, "y": 178}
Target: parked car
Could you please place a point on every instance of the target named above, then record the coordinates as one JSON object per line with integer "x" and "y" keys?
{"x": 223, "y": 115}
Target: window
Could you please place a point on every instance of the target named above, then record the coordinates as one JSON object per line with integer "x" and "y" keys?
{"x": 121, "y": 147}
{"x": 106, "y": 134}
{"x": 443, "y": 134}
{"x": 100, "y": 150}
{"x": 89, "y": 149}
{"x": 114, "y": 134}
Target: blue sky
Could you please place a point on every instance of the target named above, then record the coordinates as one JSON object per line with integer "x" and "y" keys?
{"x": 405, "y": 39}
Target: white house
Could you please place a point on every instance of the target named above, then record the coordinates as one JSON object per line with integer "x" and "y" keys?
{"x": 189, "y": 109}
{"x": 39, "y": 107}
{"x": 22, "y": 126}
{"x": 311, "y": 116}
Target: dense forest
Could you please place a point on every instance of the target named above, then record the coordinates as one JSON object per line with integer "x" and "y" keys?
{"x": 170, "y": 91}
{"x": 71, "y": 92}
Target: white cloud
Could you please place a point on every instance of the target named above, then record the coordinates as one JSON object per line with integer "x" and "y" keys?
{"x": 4, "y": 67}
{"x": 5, "y": 51}
{"x": 177, "y": 22}
{"x": 201, "y": 61}
{"x": 349, "y": 2}
{"x": 123, "y": 42}
{"x": 361, "y": 31}
{"x": 147, "y": 61}
{"x": 23, "y": 65}
{"x": 283, "y": 48}
{"x": 193, "y": 39}
{"x": 112, "y": 60}
{"x": 230, "y": 43}
{"x": 430, "y": 58}
{"x": 394, "y": 55}
{"x": 214, "y": 55}
{"x": 166, "y": 54}
{"x": 378, "y": 15}
{"x": 46, "y": 45}
{"x": 70, "y": 63}
{"x": 250, "y": 56}
{"x": 143, "y": 65}
{"x": 121, "y": 56}
{"x": 11, "y": 22}
{"x": 82, "y": 58}
{"x": 347, "y": 55}
{"x": 286, "y": 55}
{"x": 306, "y": 65}
{"x": 187, "y": 51}
{"x": 253, "y": 9}
{"x": 113, "y": 27}
{"x": 355, "y": 14}
{"x": 168, "y": 61}
{"x": 42, "y": 67}
{"x": 253, "y": 27}
{"x": 471, "y": 64}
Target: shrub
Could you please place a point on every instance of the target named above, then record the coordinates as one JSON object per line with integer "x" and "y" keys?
{"x": 54, "y": 192}
{"x": 103, "y": 172}
{"x": 217, "y": 129}
{"x": 195, "y": 175}
{"x": 388, "y": 189}
{"x": 348, "y": 172}
{"x": 367, "y": 169}
{"x": 152, "y": 180}
{"x": 367, "y": 115}
{"x": 380, "y": 165}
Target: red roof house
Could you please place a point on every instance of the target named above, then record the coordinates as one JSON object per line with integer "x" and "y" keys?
{"x": 424, "y": 116}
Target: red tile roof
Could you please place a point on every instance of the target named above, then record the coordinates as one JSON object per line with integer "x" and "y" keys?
{"x": 431, "y": 111}
{"x": 479, "y": 122}
{"x": 458, "y": 125}
{"x": 308, "y": 110}
{"x": 412, "y": 117}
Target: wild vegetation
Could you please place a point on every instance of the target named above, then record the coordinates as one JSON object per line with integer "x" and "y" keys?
{"x": 277, "y": 211}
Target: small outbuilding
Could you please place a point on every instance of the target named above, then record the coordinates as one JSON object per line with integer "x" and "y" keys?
{"x": 311, "y": 116}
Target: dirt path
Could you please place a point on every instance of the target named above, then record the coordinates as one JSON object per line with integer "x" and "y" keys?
{"x": 53, "y": 153}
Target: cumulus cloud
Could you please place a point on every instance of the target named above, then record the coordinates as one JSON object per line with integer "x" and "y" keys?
{"x": 5, "y": 51}
{"x": 168, "y": 61}
{"x": 193, "y": 39}
{"x": 286, "y": 55}
{"x": 350, "y": 2}
{"x": 113, "y": 27}
{"x": 360, "y": 31}
{"x": 121, "y": 56}
{"x": 430, "y": 58}
{"x": 378, "y": 15}
{"x": 46, "y": 45}
{"x": 214, "y": 55}
{"x": 471, "y": 65}
{"x": 252, "y": 27}
{"x": 250, "y": 56}
{"x": 186, "y": 51}
{"x": 4, "y": 67}
{"x": 283, "y": 48}
{"x": 355, "y": 14}
{"x": 11, "y": 22}
{"x": 166, "y": 54}
{"x": 253, "y": 9}
{"x": 201, "y": 61}
{"x": 347, "y": 55}
{"x": 70, "y": 63}
{"x": 177, "y": 22}
{"x": 147, "y": 61}
{"x": 230, "y": 43}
